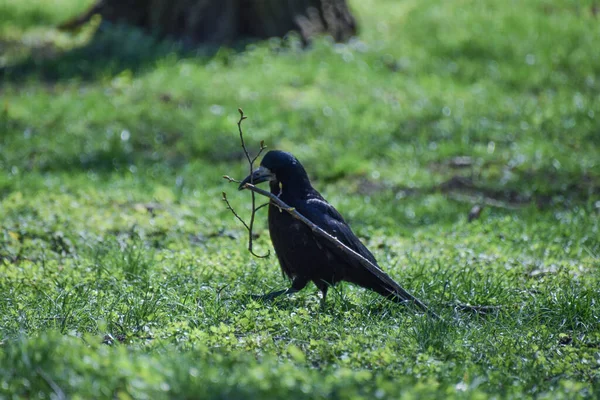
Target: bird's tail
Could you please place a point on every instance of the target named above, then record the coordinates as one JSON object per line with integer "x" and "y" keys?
{"x": 387, "y": 287}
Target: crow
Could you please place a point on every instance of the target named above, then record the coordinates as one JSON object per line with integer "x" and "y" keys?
{"x": 305, "y": 256}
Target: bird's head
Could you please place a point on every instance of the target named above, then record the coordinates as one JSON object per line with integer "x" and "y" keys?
{"x": 278, "y": 167}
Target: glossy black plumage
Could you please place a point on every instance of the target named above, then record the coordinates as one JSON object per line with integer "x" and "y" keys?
{"x": 304, "y": 256}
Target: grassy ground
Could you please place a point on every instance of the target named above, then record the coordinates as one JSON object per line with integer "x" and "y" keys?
{"x": 123, "y": 275}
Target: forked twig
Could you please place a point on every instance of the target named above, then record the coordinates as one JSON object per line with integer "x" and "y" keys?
{"x": 232, "y": 210}
{"x": 250, "y": 226}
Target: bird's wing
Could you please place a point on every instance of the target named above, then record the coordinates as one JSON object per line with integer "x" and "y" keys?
{"x": 322, "y": 214}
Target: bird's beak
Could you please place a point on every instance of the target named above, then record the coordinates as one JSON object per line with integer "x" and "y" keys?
{"x": 260, "y": 174}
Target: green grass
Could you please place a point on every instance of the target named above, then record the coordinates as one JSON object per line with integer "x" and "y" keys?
{"x": 123, "y": 275}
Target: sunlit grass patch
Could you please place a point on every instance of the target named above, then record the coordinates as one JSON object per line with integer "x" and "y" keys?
{"x": 123, "y": 274}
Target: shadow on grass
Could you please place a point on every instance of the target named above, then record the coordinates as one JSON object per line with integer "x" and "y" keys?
{"x": 113, "y": 48}
{"x": 542, "y": 188}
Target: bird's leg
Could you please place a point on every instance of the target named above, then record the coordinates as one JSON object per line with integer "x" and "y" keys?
{"x": 324, "y": 292}
{"x": 323, "y": 286}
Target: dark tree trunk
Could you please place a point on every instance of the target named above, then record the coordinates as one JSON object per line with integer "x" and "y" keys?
{"x": 225, "y": 21}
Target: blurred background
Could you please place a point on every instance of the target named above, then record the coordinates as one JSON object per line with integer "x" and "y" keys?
{"x": 489, "y": 100}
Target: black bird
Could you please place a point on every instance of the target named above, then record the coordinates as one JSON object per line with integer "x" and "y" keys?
{"x": 303, "y": 255}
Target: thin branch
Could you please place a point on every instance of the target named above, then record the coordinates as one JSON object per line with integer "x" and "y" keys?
{"x": 482, "y": 199}
{"x": 262, "y": 148}
{"x": 239, "y": 124}
{"x": 262, "y": 205}
{"x": 233, "y": 211}
{"x": 341, "y": 246}
{"x": 230, "y": 179}
{"x": 249, "y": 226}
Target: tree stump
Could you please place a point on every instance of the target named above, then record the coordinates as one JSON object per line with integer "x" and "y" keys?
{"x": 226, "y": 21}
